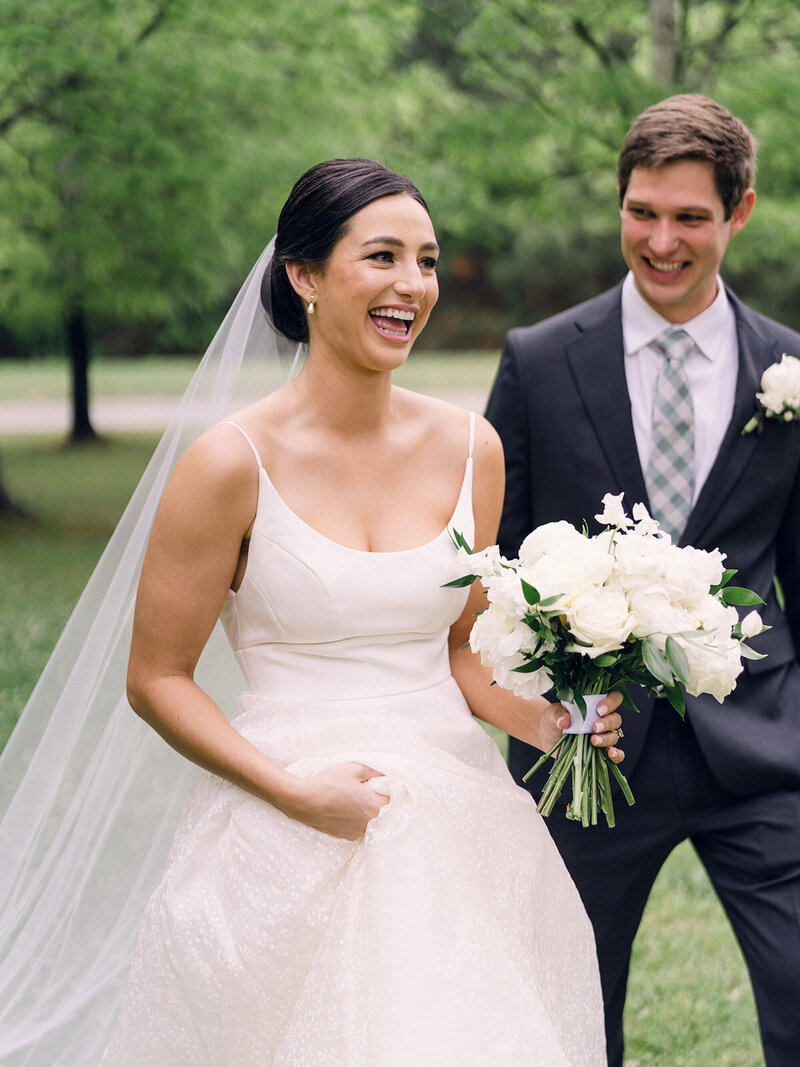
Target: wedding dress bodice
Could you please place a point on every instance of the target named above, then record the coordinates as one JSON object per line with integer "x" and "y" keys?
{"x": 313, "y": 618}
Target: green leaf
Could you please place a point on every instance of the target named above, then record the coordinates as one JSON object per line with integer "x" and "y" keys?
{"x": 674, "y": 695}
{"x": 530, "y": 594}
{"x": 750, "y": 653}
{"x": 528, "y": 667}
{"x": 726, "y": 577}
{"x": 549, "y": 601}
{"x": 460, "y": 542}
{"x": 678, "y": 660}
{"x": 737, "y": 594}
{"x": 460, "y": 583}
{"x": 606, "y": 660}
{"x": 656, "y": 662}
{"x": 627, "y": 701}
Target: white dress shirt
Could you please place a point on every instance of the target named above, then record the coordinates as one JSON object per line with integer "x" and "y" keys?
{"x": 711, "y": 372}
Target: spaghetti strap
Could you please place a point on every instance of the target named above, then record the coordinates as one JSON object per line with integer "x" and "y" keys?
{"x": 471, "y": 433}
{"x": 227, "y": 422}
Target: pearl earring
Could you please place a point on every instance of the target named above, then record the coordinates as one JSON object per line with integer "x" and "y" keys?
{"x": 311, "y": 306}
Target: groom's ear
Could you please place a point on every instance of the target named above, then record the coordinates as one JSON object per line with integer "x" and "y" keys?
{"x": 741, "y": 213}
{"x": 302, "y": 280}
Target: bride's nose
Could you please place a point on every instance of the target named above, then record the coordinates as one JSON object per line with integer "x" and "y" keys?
{"x": 410, "y": 281}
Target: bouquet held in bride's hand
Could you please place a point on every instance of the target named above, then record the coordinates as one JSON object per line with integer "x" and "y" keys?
{"x": 584, "y": 615}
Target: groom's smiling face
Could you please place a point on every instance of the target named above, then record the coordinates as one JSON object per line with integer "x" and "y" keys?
{"x": 674, "y": 235}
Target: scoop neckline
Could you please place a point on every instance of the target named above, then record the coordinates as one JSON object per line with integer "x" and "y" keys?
{"x": 366, "y": 551}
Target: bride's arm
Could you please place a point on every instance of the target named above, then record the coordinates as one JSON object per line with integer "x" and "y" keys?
{"x": 535, "y": 721}
{"x": 204, "y": 516}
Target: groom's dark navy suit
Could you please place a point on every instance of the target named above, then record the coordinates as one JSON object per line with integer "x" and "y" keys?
{"x": 728, "y": 777}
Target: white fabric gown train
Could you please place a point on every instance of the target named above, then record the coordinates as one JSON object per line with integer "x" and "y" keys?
{"x": 450, "y": 935}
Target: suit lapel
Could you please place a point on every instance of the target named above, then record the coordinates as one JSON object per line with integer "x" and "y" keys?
{"x": 597, "y": 362}
{"x": 756, "y": 352}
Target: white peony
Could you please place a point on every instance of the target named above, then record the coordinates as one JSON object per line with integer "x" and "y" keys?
{"x": 528, "y": 685}
{"x": 780, "y": 386}
{"x": 501, "y": 641}
{"x": 711, "y": 615}
{"x": 641, "y": 562}
{"x": 501, "y": 638}
{"x": 554, "y": 539}
{"x": 599, "y": 619}
{"x": 654, "y": 613}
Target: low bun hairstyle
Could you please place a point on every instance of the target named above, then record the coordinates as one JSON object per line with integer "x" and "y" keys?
{"x": 313, "y": 219}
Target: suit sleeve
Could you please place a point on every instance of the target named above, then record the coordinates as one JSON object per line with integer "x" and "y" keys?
{"x": 507, "y": 411}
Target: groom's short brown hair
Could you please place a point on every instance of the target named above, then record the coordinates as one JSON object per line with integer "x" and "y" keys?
{"x": 691, "y": 126}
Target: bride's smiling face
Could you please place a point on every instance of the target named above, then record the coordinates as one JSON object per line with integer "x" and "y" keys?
{"x": 375, "y": 293}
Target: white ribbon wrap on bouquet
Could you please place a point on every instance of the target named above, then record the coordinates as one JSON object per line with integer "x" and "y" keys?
{"x": 577, "y": 723}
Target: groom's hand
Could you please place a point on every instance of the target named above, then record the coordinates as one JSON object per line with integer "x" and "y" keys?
{"x": 606, "y": 732}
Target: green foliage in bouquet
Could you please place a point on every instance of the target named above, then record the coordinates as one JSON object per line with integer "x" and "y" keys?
{"x": 583, "y": 615}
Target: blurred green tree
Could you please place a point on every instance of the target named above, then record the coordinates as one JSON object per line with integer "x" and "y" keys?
{"x": 521, "y": 160}
{"x": 146, "y": 144}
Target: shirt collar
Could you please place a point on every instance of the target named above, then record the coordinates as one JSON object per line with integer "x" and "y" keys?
{"x": 641, "y": 323}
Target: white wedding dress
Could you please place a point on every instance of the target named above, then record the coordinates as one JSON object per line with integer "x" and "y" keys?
{"x": 450, "y": 935}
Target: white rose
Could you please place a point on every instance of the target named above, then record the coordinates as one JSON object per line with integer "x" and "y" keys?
{"x": 780, "y": 385}
{"x": 752, "y": 625}
{"x": 613, "y": 513}
{"x": 714, "y": 665}
{"x": 599, "y": 619}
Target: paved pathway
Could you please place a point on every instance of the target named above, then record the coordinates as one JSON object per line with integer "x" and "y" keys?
{"x": 136, "y": 413}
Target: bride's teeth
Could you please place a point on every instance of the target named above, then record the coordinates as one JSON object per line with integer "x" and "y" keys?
{"x": 394, "y": 313}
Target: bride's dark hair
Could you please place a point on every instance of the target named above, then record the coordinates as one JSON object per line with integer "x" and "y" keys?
{"x": 313, "y": 219}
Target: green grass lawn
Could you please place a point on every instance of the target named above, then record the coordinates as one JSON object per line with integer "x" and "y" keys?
{"x": 689, "y": 1002}
{"x": 167, "y": 376}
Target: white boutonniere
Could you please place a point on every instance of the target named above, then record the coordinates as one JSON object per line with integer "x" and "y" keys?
{"x": 780, "y": 393}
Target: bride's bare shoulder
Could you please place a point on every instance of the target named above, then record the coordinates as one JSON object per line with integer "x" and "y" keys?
{"x": 446, "y": 426}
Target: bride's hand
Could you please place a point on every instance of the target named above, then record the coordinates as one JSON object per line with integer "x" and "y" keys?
{"x": 606, "y": 733}
{"x": 339, "y": 801}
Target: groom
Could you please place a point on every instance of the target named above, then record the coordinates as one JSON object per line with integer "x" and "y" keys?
{"x": 606, "y": 397}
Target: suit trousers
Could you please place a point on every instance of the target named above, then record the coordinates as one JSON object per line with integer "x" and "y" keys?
{"x": 749, "y": 845}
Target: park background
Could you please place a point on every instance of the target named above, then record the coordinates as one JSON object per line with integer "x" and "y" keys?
{"x": 145, "y": 149}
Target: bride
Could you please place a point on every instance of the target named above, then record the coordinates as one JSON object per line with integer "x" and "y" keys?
{"x": 355, "y": 879}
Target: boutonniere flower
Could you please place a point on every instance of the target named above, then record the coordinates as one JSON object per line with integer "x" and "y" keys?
{"x": 780, "y": 393}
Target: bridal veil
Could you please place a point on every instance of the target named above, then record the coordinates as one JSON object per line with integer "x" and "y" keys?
{"x": 89, "y": 794}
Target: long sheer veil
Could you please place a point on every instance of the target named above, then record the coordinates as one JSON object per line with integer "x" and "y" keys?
{"x": 89, "y": 794}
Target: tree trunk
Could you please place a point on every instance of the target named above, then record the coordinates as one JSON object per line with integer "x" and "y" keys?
{"x": 8, "y": 509}
{"x": 662, "y": 23}
{"x": 77, "y": 339}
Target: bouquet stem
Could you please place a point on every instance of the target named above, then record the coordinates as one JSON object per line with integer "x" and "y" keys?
{"x": 577, "y": 758}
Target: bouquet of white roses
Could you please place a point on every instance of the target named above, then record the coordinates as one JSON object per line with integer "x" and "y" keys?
{"x": 584, "y": 615}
